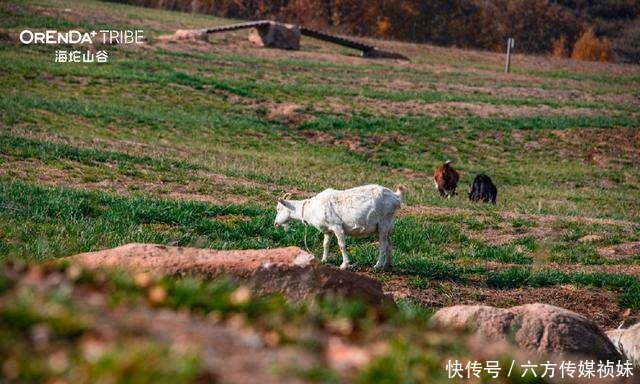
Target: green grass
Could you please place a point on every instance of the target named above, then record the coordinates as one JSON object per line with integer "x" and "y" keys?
{"x": 522, "y": 223}
{"x": 505, "y": 254}
{"x": 91, "y": 155}
{"x": 223, "y": 126}
{"x": 23, "y": 148}
{"x": 580, "y": 254}
{"x": 40, "y": 223}
{"x": 87, "y": 221}
{"x": 212, "y": 128}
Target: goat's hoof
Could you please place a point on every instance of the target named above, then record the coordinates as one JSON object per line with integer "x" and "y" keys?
{"x": 323, "y": 260}
{"x": 344, "y": 266}
{"x": 382, "y": 267}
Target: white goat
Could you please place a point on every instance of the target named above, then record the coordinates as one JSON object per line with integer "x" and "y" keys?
{"x": 357, "y": 212}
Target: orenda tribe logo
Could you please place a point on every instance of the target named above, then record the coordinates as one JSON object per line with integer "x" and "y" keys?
{"x": 75, "y": 37}
{"x": 103, "y": 36}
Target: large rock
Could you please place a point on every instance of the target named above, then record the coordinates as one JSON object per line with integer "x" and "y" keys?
{"x": 290, "y": 271}
{"x": 628, "y": 342}
{"x": 541, "y": 328}
{"x": 189, "y": 35}
{"x": 276, "y": 35}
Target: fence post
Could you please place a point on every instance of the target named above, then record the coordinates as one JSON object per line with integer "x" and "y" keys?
{"x": 510, "y": 45}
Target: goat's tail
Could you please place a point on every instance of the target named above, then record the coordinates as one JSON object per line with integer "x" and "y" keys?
{"x": 400, "y": 191}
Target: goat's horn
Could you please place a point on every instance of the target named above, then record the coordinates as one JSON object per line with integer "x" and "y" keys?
{"x": 286, "y": 196}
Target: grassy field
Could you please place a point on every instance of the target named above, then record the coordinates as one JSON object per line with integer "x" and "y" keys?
{"x": 190, "y": 144}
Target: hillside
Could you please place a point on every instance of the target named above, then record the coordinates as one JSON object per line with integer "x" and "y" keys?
{"x": 538, "y": 26}
{"x": 191, "y": 143}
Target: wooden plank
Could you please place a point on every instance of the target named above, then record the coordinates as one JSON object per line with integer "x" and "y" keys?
{"x": 233, "y": 27}
{"x": 367, "y": 50}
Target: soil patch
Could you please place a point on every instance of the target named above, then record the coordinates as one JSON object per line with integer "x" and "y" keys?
{"x": 389, "y": 108}
{"x": 630, "y": 250}
{"x": 598, "y": 305}
{"x": 540, "y": 93}
{"x": 506, "y": 234}
{"x": 354, "y": 142}
{"x": 286, "y": 113}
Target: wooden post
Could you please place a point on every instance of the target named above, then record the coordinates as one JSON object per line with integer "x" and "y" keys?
{"x": 510, "y": 44}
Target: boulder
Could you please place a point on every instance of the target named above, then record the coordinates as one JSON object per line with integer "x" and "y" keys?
{"x": 190, "y": 34}
{"x": 276, "y": 35}
{"x": 541, "y": 328}
{"x": 290, "y": 271}
{"x": 627, "y": 341}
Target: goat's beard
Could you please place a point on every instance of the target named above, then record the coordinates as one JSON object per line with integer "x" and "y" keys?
{"x": 285, "y": 227}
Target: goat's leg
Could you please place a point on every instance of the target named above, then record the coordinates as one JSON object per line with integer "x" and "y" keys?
{"x": 388, "y": 250}
{"x": 343, "y": 247}
{"x": 381, "y": 256}
{"x": 325, "y": 246}
{"x": 384, "y": 257}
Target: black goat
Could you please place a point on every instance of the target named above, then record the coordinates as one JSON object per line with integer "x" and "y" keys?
{"x": 483, "y": 189}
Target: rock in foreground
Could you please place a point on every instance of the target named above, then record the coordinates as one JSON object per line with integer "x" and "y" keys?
{"x": 290, "y": 271}
{"x": 536, "y": 327}
{"x": 628, "y": 342}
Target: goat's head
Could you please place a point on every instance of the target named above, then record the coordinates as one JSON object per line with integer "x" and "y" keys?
{"x": 283, "y": 211}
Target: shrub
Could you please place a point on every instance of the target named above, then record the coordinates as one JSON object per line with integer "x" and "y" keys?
{"x": 590, "y": 47}
{"x": 383, "y": 26}
{"x": 559, "y": 47}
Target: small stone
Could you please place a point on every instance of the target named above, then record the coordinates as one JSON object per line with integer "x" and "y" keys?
{"x": 157, "y": 295}
{"x": 74, "y": 272}
{"x": 589, "y": 238}
{"x": 92, "y": 347}
{"x": 142, "y": 280}
{"x": 58, "y": 361}
{"x": 40, "y": 335}
{"x": 343, "y": 356}
{"x": 190, "y": 34}
{"x": 240, "y": 296}
{"x": 343, "y": 326}
{"x": 271, "y": 339}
